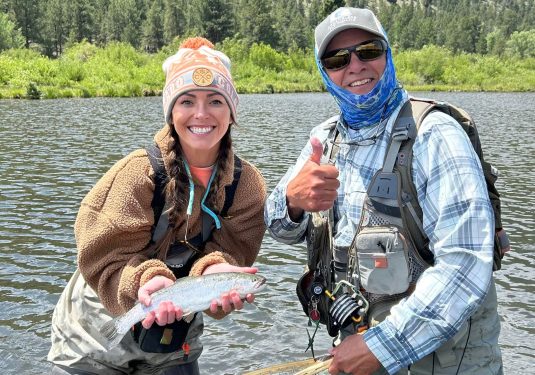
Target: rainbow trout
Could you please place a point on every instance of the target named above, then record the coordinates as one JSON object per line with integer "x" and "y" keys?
{"x": 192, "y": 294}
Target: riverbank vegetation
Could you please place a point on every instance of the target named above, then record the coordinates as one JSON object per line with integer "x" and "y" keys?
{"x": 86, "y": 48}
{"x": 119, "y": 70}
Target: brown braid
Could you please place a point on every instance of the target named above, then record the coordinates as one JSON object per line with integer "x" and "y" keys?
{"x": 225, "y": 151}
{"x": 177, "y": 188}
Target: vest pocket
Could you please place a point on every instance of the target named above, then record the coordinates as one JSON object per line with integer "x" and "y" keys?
{"x": 382, "y": 257}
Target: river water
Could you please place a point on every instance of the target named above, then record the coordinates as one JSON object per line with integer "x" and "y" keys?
{"x": 53, "y": 151}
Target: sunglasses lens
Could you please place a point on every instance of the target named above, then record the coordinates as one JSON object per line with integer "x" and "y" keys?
{"x": 338, "y": 61}
{"x": 370, "y": 51}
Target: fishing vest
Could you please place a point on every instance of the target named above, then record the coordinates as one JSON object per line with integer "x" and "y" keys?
{"x": 398, "y": 162}
{"x": 180, "y": 256}
{"x": 390, "y": 249}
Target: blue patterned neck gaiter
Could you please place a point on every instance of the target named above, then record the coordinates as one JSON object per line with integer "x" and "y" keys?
{"x": 360, "y": 111}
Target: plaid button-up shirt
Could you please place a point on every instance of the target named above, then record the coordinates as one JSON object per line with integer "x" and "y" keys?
{"x": 458, "y": 220}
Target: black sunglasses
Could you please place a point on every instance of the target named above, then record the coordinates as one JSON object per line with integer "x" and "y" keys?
{"x": 365, "y": 51}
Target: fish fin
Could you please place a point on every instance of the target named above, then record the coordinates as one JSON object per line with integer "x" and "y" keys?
{"x": 111, "y": 332}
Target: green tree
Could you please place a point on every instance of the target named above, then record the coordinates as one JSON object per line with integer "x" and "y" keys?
{"x": 255, "y": 22}
{"x": 464, "y": 34}
{"x": 403, "y": 27}
{"x": 153, "y": 31}
{"x": 495, "y": 42}
{"x": 101, "y": 21}
{"x": 28, "y": 18}
{"x": 329, "y": 6}
{"x": 507, "y": 20}
{"x": 216, "y": 18}
{"x": 10, "y": 37}
{"x": 291, "y": 26}
{"x": 123, "y": 21}
{"x": 358, "y": 3}
{"x": 314, "y": 13}
{"x": 521, "y": 44}
{"x": 424, "y": 35}
{"x": 80, "y": 13}
{"x": 173, "y": 20}
{"x": 55, "y": 28}
{"x": 528, "y": 16}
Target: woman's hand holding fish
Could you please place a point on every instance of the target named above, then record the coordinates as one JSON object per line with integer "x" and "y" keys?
{"x": 229, "y": 301}
{"x": 166, "y": 312}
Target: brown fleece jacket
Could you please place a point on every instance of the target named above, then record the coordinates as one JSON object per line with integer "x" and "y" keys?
{"x": 113, "y": 227}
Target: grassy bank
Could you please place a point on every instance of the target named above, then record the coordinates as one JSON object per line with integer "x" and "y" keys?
{"x": 118, "y": 70}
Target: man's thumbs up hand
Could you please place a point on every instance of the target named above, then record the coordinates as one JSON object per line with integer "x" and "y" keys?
{"x": 317, "y": 150}
{"x": 314, "y": 187}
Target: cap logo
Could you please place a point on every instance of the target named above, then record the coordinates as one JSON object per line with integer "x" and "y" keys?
{"x": 341, "y": 19}
{"x": 202, "y": 77}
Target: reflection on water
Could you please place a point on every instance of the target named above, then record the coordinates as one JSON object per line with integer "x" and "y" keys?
{"x": 54, "y": 151}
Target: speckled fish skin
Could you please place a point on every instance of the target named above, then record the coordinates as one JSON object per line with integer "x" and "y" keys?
{"x": 192, "y": 294}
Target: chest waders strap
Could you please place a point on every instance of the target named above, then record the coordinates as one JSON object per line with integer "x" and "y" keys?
{"x": 402, "y": 160}
{"x": 331, "y": 145}
{"x": 385, "y": 183}
{"x": 230, "y": 190}
{"x": 158, "y": 199}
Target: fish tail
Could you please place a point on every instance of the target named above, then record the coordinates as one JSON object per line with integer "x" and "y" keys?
{"x": 110, "y": 330}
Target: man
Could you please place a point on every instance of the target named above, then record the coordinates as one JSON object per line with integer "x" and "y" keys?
{"x": 444, "y": 320}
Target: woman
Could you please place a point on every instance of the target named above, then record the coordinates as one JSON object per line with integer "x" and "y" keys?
{"x": 121, "y": 261}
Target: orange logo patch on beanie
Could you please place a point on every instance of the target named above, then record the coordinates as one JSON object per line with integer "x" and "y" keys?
{"x": 202, "y": 77}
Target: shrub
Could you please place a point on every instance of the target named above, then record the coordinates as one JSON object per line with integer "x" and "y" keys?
{"x": 266, "y": 57}
{"x": 32, "y": 91}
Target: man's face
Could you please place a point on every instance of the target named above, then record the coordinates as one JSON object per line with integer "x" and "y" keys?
{"x": 359, "y": 77}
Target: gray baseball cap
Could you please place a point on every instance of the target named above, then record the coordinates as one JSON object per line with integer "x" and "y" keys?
{"x": 346, "y": 18}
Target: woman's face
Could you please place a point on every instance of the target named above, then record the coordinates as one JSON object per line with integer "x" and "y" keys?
{"x": 359, "y": 77}
{"x": 201, "y": 119}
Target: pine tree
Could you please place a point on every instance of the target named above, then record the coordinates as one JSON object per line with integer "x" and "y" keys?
{"x": 291, "y": 26}
{"x": 153, "y": 38}
{"x": 101, "y": 21}
{"x": 80, "y": 14}
{"x": 329, "y": 6}
{"x": 255, "y": 22}
{"x": 216, "y": 18}
{"x": 28, "y": 18}
{"x": 55, "y": 28}
{"x": 174, "y": 22}
{"x": 124, "y": 21}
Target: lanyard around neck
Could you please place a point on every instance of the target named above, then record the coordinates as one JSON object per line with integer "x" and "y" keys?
{"x": 191, "y": 195}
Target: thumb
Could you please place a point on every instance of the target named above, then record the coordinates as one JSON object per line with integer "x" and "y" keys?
{"x": 317, "y": 150}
